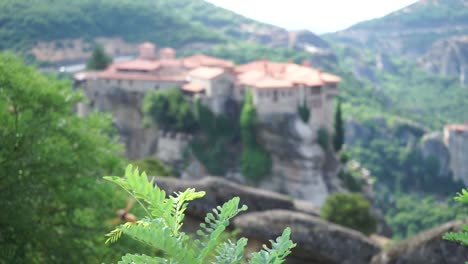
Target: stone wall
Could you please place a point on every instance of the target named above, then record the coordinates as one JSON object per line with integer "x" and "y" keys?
{"x": 171, "y": 146}
{"x": 457, "y": 144}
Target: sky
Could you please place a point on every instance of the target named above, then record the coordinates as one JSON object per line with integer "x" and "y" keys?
{"x": 319, "y": 16}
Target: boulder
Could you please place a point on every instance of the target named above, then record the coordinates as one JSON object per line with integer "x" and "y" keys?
{"x": 426, "y": 248}
{"x": 317, "y": 241}
{"x": 218, "y": 191}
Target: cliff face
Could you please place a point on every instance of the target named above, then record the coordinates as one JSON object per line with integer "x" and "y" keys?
{"x": 301, "y": 168}
{"x": 448, "y": 57}
{"x": 457, "y": 144}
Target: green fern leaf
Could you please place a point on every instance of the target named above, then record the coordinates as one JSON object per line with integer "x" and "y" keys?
{"x": 278, "y": 252}
{"x": 215, "y": 224}
{"x": 143, "y": 259}
{"x": 230, "y": 253}
{"x": 179, "y": 205}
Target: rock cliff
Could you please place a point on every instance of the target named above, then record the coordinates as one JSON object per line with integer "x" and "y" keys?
{"x": 299, "y": 163}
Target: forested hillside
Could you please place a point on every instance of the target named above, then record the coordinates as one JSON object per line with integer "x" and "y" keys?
{"x": 25, "y": 22}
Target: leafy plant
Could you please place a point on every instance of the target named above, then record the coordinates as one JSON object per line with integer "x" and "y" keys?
{"x": 161, "y": 228}
{"x": 350, "y": 210}
{"x": 339, "y": 135}
{"x": 460, "y": 237}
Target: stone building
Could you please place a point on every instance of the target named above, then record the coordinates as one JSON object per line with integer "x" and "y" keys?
{"x": 456, "y": 140}
{"x": 277, "y": 88}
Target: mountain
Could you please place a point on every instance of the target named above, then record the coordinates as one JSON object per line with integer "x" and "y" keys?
{"x": 411, "y": 30}
{"x": 59, "y": 30}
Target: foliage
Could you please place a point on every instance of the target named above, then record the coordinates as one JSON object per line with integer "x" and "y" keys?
{"x": 26, "y": 22}
{"x": 256, "y": 162}
{"x": 323, "y": 138}
{"x": 99, "y": 59}
{"x": 54, "y": 204}
{"x": 409, "y": 215}
{"x": 460, "y": 237}
{"x": 170, "y": 110}
{"x": 350, "y": 210}
{"x": 215, "y": 146}
{"x": 303, "y": 110}
{"x": 339, "y": 135}
{"x": 161, "y": 228}
{"x": 153, "y": 166}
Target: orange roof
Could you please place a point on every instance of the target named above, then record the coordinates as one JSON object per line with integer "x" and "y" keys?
{"x": 204, "y": 60}
{"x": 136, "y": 65}
{"x": 457, "y": 127}
{"x": 140, "y": 76}
{"x": 282, "y": 73}
{"x": 206, "y": 72}
{"x": 193, "y": 87}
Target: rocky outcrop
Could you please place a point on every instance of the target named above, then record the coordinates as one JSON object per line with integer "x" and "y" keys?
{"x": 456, "y": 140}
{"x": 317, "y": 240}
{"x": 219, "y": 191}
{"x": 298, "y": 160}
{"x": 448, "y": 57}
{"x": 432, "y": 145}
{"x": 426, "y": 248}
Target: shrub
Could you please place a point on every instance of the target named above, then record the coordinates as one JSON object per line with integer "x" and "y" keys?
{"x": 350, "y": 210}
{"x": 99, "y": 59}
{"x": 153, "y": 166}
{"x": 256, "y": 163}
{"x": 460, "y": 237}
{"x": 160, "y": 229}
{"x": 169, "y": 110}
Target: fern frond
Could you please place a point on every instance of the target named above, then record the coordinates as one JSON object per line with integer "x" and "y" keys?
{"x": 230, "y": 253}
{"x": 142, "y": 189}
{"x": 461, "y": 237}
{"x": 215, "y": 224}
{"x": 278, "y": 252}
{"x": 155, "y": 233}
{"x": 113, "y": 236}
{"x": 133, "y": 259}
{"x": 179, "y": 205}
{"x": 462, "y": 197}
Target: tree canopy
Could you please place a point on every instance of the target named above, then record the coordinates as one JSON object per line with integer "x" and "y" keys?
{"x": 99, "y": 59}
{"x": 54, "y": 205}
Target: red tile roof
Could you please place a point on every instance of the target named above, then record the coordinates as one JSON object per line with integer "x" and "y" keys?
{"x": 204, "y": 60}
{"x": 140, "y": 76}
{"x": 282, "y": 73}
{"x": 136, "y": 65}
{"x": 457, "y": 127}
{"x": 206, "y": 72}
{"x": 193, "y": 87}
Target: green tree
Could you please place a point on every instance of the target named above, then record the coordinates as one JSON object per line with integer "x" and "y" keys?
{"x": 99, "y": 59}
{"x": 256, "y": 162}
{"x": 54, "y": 205}
{"x": 170, "y": 110}
{"x": 460, "y": 237}
{"x": 304, "y": 112}
{"x": 338, "y": 136}
{"x": 350, "y": 210}
{"x": 160, "y": 229}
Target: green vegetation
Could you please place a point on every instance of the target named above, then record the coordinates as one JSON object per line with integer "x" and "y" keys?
{"x": 339, "y": 133}
{"x": 99, "y": 59}
{"x": 350, "y": 210}
{"x": 323, "y": 138}
{"x": 55, "y": 206}
{"x": 303, "y": 110}
{"x": 25, "y": 22}
{"x": 256, "y": 162}
{"x": 153, "y": 167}
{"x": 170, "y": 110}
{"x": 215, "y": 146}
{"x": 160, "y": 229}
{"x": 404, "y": 214}
{"x": 460, "y": 237}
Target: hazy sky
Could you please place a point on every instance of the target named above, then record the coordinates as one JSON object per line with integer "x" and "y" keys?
{"x": 320, "y": 16}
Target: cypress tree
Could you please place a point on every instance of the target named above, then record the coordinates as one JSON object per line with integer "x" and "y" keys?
{"x": 99, "y": 59}
{"x": 338, "y": 138}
